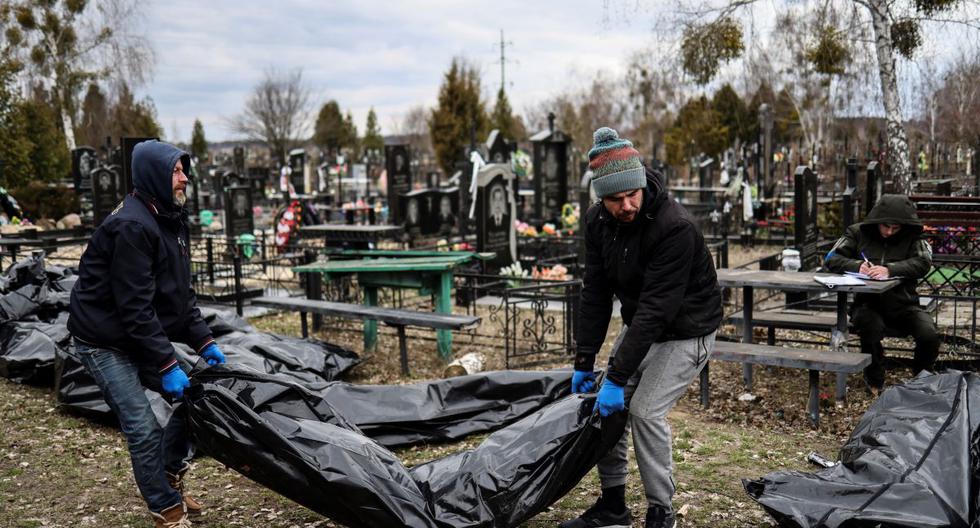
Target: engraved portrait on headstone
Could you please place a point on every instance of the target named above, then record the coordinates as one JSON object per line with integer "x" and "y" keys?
{"x": 498, "y": 203}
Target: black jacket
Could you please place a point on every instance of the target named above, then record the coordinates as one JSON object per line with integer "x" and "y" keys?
{"x": 660, "y": 269}
{"x": 134, "y": 280}
{"x": 906, "y": 254}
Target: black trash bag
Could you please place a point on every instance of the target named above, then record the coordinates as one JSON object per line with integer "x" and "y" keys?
{"x": 296, "y": 442}
{"x": 222, "y": 322}
{"x": 28, "y": 350}
{"x": 912, "y": 461}
{"x": 448, "y": 409}
{"x": 326, "y": 361}
{"x": 27, "y": 288}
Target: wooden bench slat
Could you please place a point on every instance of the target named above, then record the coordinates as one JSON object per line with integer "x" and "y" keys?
{"x": 798, "y": 321}
{"x": 362, "y": 312}
{"x": 804, "y": 358}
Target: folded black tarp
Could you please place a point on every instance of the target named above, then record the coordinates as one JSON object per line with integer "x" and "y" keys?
{"x": 912, "y": 461}
{"x": 296, "y": 442}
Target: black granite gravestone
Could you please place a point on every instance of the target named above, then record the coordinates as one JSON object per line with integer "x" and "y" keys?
{"x": 83, "y": 162}
{"x": 851, "y": 197}
{"x": 415, "y": 208}
{"x": 399, "y": 168}
{"x": 498, "y": 149}
{"x": 107, "y": 192}
{"x": 128, "y": 143}
{"x": 297, "y": 164}
{"x": 238, "y": 211}
{"x": 873, "y": 186}
{"x": 447, "y": 210}
{"x": 495, "y": 212}
{"x": 238, "y": 159}
{"x": 805, "y": 233}
{"x": 464, "y": 171}
{"x": 550, "y": 164}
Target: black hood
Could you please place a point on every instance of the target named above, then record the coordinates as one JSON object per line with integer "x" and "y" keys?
{"x": 893, "y": 209}
{"x": 153, "y": 169}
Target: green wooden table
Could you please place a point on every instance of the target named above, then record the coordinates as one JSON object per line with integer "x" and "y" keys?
{"x": 430, "y": 274}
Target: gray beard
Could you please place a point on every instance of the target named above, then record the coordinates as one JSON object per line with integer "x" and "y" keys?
{"x": 180, "y": 199}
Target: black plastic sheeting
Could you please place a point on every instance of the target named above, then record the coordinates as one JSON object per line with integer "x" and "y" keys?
{"x": 29, "y": 349}
{"x": 33, "y": 300}
{"x": 298, "y": 443}
{"x": 444, "y": 410}
{"x": 912, "y": 461}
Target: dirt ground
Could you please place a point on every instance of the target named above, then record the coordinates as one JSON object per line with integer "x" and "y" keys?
{"x": 62, "y": 470}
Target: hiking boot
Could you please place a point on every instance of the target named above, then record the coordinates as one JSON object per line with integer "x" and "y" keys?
{"x": 600, "y": 516}
{"x": 660, "y": 518}
{"x": 194, "y": 508}
{"x": 173, "y": 517}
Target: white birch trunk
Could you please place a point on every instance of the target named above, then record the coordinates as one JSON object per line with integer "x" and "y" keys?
{"x": 898, "y": 145}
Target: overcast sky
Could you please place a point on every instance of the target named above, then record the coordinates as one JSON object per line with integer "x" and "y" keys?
{"x": 389, "y": 55}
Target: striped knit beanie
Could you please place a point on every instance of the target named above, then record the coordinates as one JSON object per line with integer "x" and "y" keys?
{"x": 615, "y": 164}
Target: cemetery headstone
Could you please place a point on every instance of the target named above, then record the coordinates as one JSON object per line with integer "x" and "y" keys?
{"x": 238, "y": 159}
{"x": 765, "y": 141}
{"x": 873, "y": 186}
{"x": 297, "y": 164}
{"x": 805, "y": 204}
{"x": 399, "y": 169}
{"x": 106, "y": 195}
{"x": 705, "y": 179}
{"x": 128, "y": 143}
{"x": 498, "y": 149}
{"x": 416, "y": 212}
{"x": 447, "y": 211}
{"x": 83, "y": 162}
{"x": 464, "y": 178}
{"x": 850, "y": 193}
{"x": 238, "y": 211}
{"x": 495, "y": 213}
{"x": 550, "y": 162}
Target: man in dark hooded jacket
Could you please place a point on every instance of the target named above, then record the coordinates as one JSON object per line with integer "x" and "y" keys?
{"x": 133, "y": 299}
{"x": 644, "y": 248}
{"x": 888, "y": 244}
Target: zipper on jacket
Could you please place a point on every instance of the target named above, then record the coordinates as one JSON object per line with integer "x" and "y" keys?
{"x": 626, "y": 252}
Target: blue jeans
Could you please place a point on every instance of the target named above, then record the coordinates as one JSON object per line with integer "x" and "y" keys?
{"x": 154, "y": 450}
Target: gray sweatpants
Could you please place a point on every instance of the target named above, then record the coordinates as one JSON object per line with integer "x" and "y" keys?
{"x": 661, "y": 380}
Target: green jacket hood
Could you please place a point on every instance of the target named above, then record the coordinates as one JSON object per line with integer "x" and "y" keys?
{"x": 894, "y": 209}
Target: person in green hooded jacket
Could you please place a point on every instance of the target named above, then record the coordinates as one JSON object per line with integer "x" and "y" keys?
{"x": 888, "y": 244}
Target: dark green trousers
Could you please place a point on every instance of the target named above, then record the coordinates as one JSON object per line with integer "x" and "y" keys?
{"x": 871, "y": 323}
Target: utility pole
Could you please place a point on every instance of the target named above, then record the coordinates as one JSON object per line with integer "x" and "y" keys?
{"x": 503, "y": 60}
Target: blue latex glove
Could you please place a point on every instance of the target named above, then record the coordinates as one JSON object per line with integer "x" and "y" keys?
{"x": 611, "y": 399}
{"x": 175, "y": 381}
{"x": 212, "y": 354}
{"x": 582, "y": 381}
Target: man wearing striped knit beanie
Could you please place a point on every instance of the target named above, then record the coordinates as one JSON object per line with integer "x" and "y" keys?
{"x": 644, "y": 248}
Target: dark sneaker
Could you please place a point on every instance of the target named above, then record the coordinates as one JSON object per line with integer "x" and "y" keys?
{"x": 660, "y": 518}
{"x": 599, "y": 516}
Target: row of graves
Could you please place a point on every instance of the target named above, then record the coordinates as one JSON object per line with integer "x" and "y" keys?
{"x": 484, "y": 198}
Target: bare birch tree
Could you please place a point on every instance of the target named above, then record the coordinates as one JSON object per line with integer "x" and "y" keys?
{"x": 70, "y": 43}
{"x": 278, "y": 112}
